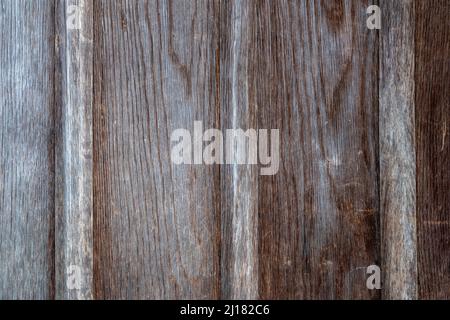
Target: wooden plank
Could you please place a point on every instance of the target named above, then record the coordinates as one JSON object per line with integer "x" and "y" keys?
{"x": 239, "y": 183}
{"x": 314, "y": 75}
{"x": 91, "y": 205}
{"x": 432, "y": 100}
{"x": 27, "y": 62}
{"x": 74, "y": 195}
{"x": 156, "y": 224}
{"x": 397, "y": 151}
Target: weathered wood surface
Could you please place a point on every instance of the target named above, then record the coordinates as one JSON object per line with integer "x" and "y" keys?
{"x": 74, "y": 148}
{"x": 157, "y": 224}
{"x": 27, "y": 63}
{"x": 432, "y": 102}
{"x": 315, "y": 77}
{"x": 239, "y": 183}
{"x": 88, "y": 192}
{"x": 397, "y": 151}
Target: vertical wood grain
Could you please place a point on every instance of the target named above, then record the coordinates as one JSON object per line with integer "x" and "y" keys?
{"x": 74, "y": 195}
{"x": 91, "y": 205}
{"x": 432, "y": 102}
{"x": 239, "y": 183}
{"x": 315, "y": 76}
{"x": 157, "y": 225}
{"x": 26, "y": 149}
{"x": 397, "y": 151}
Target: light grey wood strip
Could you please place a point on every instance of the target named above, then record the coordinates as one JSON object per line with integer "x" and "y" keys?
{"x": 74, "y": 232}
{"x": 240, "y": 277}
{"x": 397, "y": 150}
{"x": 26, "y": 149}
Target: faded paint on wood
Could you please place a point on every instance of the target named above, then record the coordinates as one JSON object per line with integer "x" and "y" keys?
{"x": 74, "y": 195}
{"x": 27, "y": 63}
{"x": 432, "y": 102}
{"x": 157, "y": 224}
{"x": 397, "y": 151}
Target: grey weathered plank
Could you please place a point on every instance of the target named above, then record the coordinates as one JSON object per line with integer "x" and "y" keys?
{"x": 27, "y": 62}
{"x": 156, "y": 224}
{"x": 397, "y": 150}
{"x": 315, "y": 77}
{"x": 432, "y": 108}
{"x": 239, "y": 183}
{"x": 74, "y": 194}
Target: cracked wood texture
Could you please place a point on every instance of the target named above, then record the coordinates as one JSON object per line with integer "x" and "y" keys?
{"x": 91, "y": 206}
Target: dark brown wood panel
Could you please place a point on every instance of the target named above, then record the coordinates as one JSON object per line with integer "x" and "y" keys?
{"x": 432, "y": 99}
{"x": 27, "y": 63}
{"x": 156, "y": 224}
{"x": 314, "y": 75}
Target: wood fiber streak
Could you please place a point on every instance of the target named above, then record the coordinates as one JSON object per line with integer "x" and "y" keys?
{"x": 315, "y": 77}
{"x": 157, "y": 225}
{"x": 239, "y": 183}
{"x": 26, "y": 149}
{"x": 74, "y": 224}
{"x": 397, "y": 151}
{"x": 432, "y": 100}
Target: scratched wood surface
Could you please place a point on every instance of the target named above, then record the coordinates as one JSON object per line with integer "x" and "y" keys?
{"x": 91, "y": 206}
